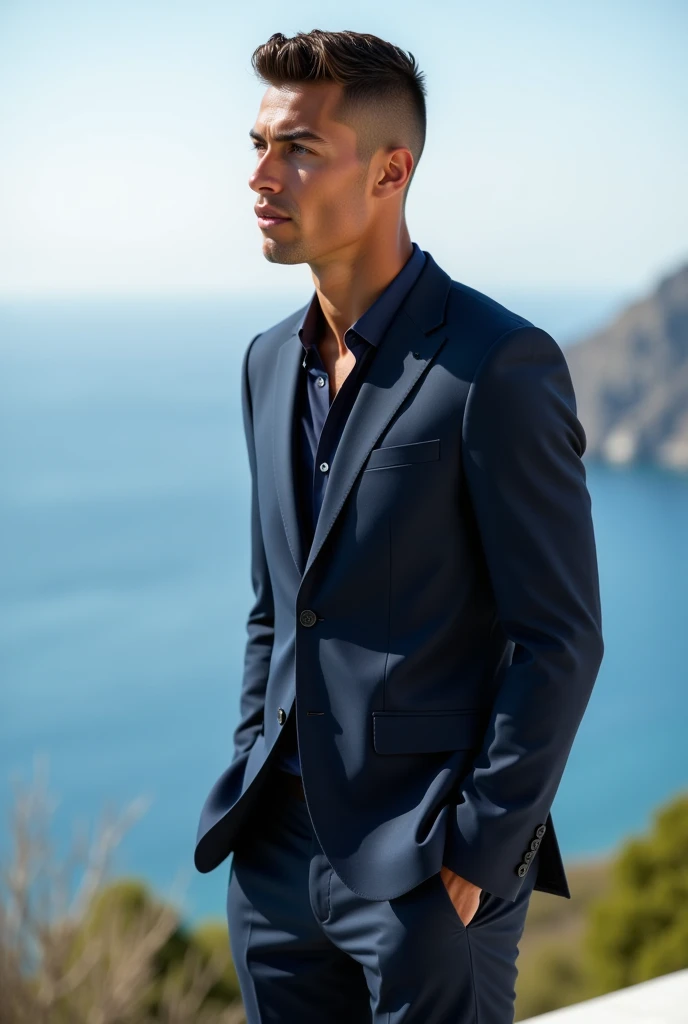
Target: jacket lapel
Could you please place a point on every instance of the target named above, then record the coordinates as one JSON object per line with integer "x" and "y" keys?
{"x": 284, "y": 435}
{"x": 410, "y": 343}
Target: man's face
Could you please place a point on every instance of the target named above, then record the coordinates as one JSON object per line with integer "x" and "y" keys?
{"x": 315, "y": 180}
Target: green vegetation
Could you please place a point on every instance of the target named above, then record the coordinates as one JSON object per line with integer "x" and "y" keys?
{"x": 640, "y": 930}
{"x": 627, "y": 921}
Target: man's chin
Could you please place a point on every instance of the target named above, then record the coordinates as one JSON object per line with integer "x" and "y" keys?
{"x": 275, "y": 252}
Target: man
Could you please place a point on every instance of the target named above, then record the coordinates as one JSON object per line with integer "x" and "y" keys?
{"x": 426, "y": 630}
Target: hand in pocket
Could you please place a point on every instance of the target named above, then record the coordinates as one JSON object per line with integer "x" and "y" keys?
{"x": 464, "y": 895}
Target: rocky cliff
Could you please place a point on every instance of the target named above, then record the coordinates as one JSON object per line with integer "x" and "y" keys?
{"x": 631, "y": 380}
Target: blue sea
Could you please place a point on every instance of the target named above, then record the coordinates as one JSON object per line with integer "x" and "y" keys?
{"x": 125, "y": 583}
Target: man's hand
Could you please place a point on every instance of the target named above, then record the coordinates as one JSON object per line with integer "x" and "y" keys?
{"x": 464, "y": 894}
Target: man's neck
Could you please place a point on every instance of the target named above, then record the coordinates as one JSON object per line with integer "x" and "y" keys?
{"x": 348, "y": 287}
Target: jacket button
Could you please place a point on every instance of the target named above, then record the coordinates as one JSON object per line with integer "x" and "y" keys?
{"x": 540, "y": 831}
{"x": 527, "y": 857}
{"x": 281, "y": 716}
{"x": 522, "y": 870}
{"x": 308, "y": 617}
{"x": 535, "y": 843}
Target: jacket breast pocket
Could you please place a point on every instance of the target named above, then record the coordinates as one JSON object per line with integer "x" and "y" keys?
{"x": 403, "y": 454}
{"x": 427, "y": 732}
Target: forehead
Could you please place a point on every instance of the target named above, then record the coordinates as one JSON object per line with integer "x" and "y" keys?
{"x": 309, "y": 105}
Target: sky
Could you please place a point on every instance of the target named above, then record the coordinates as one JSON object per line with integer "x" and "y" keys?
{"x": 556, "y": 156}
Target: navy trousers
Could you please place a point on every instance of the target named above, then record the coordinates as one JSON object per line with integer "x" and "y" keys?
{"x": 308, "y": 950}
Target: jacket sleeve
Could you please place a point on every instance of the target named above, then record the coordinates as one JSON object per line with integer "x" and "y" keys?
{"x": 260, "y": 625}
{"x": 522, "y": 449}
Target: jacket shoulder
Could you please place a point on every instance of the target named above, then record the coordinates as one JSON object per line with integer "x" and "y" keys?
{"x": 483, "y": 314}
{"x": 478, "y": 322}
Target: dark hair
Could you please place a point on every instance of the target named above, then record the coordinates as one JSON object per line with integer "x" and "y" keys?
{"x": 380, "y": 81}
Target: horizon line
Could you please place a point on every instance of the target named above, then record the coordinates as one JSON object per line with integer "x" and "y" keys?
{"x": 560, "y": 291}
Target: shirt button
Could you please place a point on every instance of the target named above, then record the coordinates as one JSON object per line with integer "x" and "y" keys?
{"x": 320, "y": 382}
{"x": 281, "y": 716}
{"x": 324, "y": 467}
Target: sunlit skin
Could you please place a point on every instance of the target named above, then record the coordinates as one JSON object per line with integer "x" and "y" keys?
{"x": 345, "y": 220}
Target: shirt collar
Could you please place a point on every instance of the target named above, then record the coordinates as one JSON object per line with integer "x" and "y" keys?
{"x": 372, "y": 324}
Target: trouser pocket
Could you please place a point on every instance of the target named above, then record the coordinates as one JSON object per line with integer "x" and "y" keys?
{"x": 449, "y": 904}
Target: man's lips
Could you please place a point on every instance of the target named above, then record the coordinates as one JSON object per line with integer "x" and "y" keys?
{"x": 267, "y": 216}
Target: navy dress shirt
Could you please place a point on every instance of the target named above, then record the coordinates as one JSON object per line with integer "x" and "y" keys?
{"x": 320, "y": 422}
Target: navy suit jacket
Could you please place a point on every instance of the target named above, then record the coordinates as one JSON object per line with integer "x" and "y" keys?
{"x": 439, "y": 641}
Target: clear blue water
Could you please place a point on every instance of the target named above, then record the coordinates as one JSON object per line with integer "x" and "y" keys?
{"x": 125, "y": 584}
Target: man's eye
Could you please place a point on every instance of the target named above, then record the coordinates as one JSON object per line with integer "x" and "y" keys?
{"x": 294, "y": 145}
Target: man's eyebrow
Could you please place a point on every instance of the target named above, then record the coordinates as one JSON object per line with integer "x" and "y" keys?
{"x": 289, "y": 136}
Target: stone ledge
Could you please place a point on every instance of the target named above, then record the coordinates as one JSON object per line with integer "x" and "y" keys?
{"x": 661, "y": 1000}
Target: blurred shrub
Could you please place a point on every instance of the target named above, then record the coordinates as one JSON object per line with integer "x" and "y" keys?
{"x": 639, "y": 930}
{"x": 110, "y": 953}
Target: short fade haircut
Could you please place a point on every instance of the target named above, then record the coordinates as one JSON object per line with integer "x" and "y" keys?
{"x": 383, "y": 94}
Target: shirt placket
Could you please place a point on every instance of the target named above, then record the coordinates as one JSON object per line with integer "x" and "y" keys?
{"x": 328, "y": 432}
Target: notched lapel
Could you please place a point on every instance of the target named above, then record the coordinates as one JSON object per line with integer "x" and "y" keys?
{"x": 404, "y": 356}
{"x": 289, "y": 359}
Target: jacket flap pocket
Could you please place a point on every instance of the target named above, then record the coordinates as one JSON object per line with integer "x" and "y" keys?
{"x": 427, "y": 732}
{"x": 404, "y": 454}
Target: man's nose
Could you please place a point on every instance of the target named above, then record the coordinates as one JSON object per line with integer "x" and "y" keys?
{"x": 264, "y": 176}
